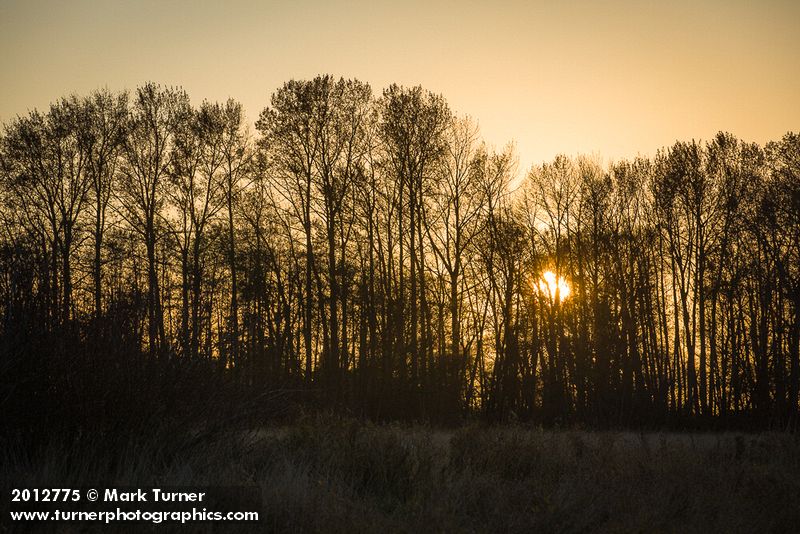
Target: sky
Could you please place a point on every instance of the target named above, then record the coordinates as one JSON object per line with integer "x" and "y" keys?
{"x": 614, "y": 78}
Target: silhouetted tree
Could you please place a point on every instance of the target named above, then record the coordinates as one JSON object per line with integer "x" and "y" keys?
{"x": 372, "y": 253}
{"x": 156, "y": 117}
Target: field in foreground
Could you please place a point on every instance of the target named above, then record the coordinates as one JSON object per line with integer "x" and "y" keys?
{"x": 332, "y": 475}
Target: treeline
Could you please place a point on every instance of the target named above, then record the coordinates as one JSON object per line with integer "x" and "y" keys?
{"x": 372, "y": 252}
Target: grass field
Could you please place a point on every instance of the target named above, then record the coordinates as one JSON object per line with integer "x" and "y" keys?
{"x": 341, "y": 475}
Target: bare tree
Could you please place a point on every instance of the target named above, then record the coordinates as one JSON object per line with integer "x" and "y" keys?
{"x": 155, "y": 118}
{"x": 103, "y": 131}
{"x": 413, "y": 123}
{"x": 51, "y": 180}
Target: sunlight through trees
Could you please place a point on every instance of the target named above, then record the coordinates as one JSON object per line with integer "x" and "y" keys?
{"x": 368, "y": 249}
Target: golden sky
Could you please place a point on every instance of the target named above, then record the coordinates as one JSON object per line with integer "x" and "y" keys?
{"x": 615, "y": 78}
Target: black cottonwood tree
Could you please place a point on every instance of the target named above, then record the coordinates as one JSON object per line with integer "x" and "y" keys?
{"x": 369, "y": 251}
{"x": 156, "y": 117}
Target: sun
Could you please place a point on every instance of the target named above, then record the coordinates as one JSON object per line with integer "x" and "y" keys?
{"x": 552, "y": 285}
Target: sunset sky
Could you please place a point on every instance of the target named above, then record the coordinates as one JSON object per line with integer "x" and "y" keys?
{"x": 613, "y": 78}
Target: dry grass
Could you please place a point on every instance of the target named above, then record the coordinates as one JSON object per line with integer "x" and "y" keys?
{"x": 333, "y": 475}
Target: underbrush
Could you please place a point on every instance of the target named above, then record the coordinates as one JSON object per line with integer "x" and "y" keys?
{"x": 328, "y": 474}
